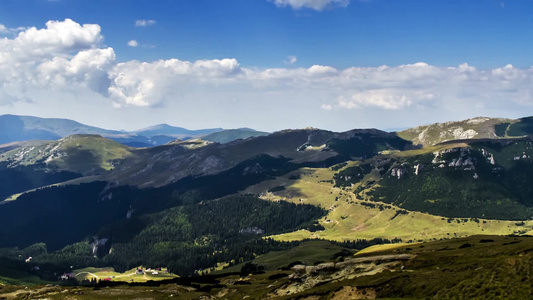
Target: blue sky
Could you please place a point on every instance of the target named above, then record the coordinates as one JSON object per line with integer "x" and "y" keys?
{"x": 245, "y": 63}
{"x": 486, "y": 34}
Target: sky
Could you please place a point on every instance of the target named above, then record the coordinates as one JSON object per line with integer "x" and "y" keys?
{"x": 266, "y": 64}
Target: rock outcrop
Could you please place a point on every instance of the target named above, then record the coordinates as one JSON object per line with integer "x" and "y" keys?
{"x": 305, "y": 277}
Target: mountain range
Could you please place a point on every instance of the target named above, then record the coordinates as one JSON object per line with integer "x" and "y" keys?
{"x": 79, "y": 196}
{"x": 24, "y": 128}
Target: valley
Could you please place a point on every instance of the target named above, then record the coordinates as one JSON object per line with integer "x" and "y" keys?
{"x": 266, "y": 149}
{"x": 212, "y": 212}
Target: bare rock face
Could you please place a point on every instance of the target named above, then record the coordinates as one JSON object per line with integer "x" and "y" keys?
{"x": 398, "y": 172}
{"x": 300, "y": 269}
{"x": 488, "y": 156}
{"x": 97, "y": 244}
{"x": 461, "y": 134}
{"x": 463, "y": 159}
{"x": 305, "y": 277}
{"x": 417, "y": 168}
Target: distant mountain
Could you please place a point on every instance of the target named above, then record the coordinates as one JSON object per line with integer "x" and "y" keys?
{"x": 25, "y": 128}
{"x": 178, "y": 132}
{"x": 229, "y": 135}
{"x": 475, "y": 128}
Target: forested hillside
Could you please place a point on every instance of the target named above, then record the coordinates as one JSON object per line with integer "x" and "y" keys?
{"x": 192, "y": 206}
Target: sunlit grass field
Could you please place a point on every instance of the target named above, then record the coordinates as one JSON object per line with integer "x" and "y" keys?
{"x": 349, "y": 218}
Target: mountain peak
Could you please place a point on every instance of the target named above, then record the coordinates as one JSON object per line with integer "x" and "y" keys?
{"x": 159, "y": 126}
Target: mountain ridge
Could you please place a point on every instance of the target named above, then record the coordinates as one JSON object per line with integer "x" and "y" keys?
{"x": 166, "y": 129}
{"x": 192, "y": 204}
{"x": 23, "y": 128}
{"x": 478, "y": 127}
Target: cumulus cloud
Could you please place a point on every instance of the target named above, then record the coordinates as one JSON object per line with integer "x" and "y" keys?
{"x": 143, "y": 84}
{"x": 133, "y": 43}
{"x": 144, "y": 23}
{"x": 69, "y": 57}
{"x": 384, "y": 87}
{"x": 61, "y": 54}
{"x": 318, "y": 5}
{"x": 88, "y": 68}
{"x": 58, "y": 38}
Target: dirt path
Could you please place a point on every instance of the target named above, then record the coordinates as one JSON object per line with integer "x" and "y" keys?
{"x": 125, "y": 275}
{"x": 95, "y": 276}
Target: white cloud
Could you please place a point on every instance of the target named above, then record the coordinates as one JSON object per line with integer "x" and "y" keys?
{"x": 144, "y": 23}
{"x": 389, "y": 88}
{"x": 89, "y": 68}
{"x": 290, "y": 60}
{"x": 68, "y": 58}
{"x": 318, "y": 5}
{"x": 133, "y": 43}
{"x": 63, "y": 53}
{"x": 386, "y": 99}
{"x": 321, "y": 70}
{"x": 59, "y": 37}
{"x": 143, "y": 84}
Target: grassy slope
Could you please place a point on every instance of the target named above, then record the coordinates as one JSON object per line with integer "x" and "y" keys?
{"x": 127, "y": 276}
{"x": 477, "y": 267}
{"x": 78, "y": 153}
{"x": 432, "y": 134}
{"x": 13, "y": 145}
{"x": 308, "y": 253}
{"x": 473, "y": 267}
{"x": 103, "y": 150}
{"x": 524, "y": 126}
{"x": 349, "y": 219}
{"x": 81, "y": 154}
